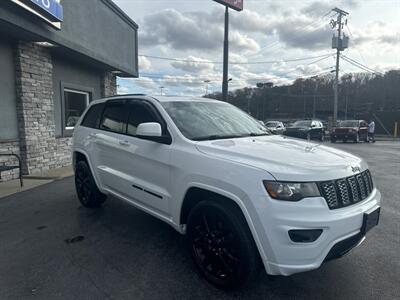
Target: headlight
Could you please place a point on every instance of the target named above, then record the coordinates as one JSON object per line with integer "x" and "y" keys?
{"x": 291, "y": 191}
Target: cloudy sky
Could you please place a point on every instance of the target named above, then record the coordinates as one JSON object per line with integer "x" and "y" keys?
{"x": 270, "y": 41}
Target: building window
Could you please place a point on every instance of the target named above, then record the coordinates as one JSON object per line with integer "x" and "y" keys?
{"x": 75, "y": 103}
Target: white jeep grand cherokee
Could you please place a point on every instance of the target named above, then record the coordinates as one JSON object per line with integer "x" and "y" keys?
{"x": 216, "y": 174}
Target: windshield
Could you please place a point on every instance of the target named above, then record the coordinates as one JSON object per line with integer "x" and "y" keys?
{"x": 272, "y": 124}
{"x": 302, "y": 124}
{"x": 348, "y": 124}
{"x": 212, "y": 120}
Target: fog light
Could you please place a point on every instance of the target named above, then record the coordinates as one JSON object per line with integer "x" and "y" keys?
{"x": 304, "y": 235}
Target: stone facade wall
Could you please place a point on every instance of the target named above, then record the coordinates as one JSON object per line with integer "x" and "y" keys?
{"x": 63, "y": 152}
{"x": 35, "y": 109}
{"x": 39, "y": 148}
{"x": 108, "y": 85}
{"x": 9, "y": 147}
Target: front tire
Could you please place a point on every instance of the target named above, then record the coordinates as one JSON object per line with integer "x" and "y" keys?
{"x": 86, "y": 188}
{"x": 222, "y": 245}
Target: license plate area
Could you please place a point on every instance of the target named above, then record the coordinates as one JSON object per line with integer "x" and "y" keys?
{"x": 370, "y": 220}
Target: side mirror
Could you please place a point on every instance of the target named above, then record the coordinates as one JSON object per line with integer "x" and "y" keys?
{"x": 152, "y": 131}
{"x": 149, "y": 129}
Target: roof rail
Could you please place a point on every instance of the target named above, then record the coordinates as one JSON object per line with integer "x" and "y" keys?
{"x": 127, "y": 95}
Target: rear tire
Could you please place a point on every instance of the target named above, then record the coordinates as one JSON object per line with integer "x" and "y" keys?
{"x": 221, "y": 245}
{"x": 88, "y": 193}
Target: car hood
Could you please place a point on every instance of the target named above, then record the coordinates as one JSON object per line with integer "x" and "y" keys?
{"x": 298, "y": 128}
{"x": 286, "y": 158}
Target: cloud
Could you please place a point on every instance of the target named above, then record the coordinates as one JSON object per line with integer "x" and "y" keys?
{"x": 189, "y": 31}
{"x": 319, "y": 8}
{"x": 194, "y": 65}
{"x": 144, "y": 64}
{"x": 122, "y": 90}
{"x": 378, "y": 33}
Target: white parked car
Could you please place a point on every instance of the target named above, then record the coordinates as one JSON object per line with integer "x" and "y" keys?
{"x": 276, "y": 127}
{"x": 242, "y": 196}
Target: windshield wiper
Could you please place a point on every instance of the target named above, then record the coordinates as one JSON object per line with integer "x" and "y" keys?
{"x": 259, "y": 134}
{"x": 216, "y": 137}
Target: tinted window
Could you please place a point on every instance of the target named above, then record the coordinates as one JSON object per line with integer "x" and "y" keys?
{"x": 349, "y": 124}
{"x": 93, "y": 116}
{"x": 139, "y": 113}
{"x": 272, "y": 124}
{"x": 114, "y": 117}
{"x": 302, "y": 124}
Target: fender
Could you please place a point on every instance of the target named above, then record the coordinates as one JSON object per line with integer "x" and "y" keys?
{"x": 242, "y": 207}
{"x": 83, "y": 152}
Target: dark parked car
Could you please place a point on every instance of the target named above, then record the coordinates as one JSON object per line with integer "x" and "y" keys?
{"x": 355, "y": 130}
{"x": 306, "y": 129}
{"x": 276, "y": 127}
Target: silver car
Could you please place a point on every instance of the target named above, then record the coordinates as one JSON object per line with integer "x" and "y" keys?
{"x": 276, "y": 127}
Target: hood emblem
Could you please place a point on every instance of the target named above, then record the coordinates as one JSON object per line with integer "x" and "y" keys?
{"x": 355, "y": 169}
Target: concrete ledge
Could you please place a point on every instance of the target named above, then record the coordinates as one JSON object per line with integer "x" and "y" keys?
{"x": 54, "y": 174}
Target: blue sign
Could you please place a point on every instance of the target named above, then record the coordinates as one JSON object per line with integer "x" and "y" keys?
{"x": 51, "y": 9}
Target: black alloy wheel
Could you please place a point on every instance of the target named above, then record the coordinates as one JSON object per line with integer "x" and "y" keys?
{"x": 86, "y": 188}
{"x": 221, "y": 245}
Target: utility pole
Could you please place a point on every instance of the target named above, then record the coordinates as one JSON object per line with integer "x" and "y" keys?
{"x": 315, "y": 95}
{"x": 207, "y": 81}
{"x": 226, "y": 57}
{"x": 161, "y": 90}
{"x": 340, "y": 44}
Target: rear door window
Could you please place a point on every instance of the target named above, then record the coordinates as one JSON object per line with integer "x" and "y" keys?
{"x": 93, "y": 116}
{"x": 115, "y": 117}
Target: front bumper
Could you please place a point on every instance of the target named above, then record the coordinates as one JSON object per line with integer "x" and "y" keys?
{"x": 343, "y": 136}
{"x": 285, "y": 257}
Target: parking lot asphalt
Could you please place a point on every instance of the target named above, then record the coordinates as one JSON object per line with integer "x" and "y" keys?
{"x": 52, "y": 248}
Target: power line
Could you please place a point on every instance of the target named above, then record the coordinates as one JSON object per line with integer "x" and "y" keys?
{"x": 359, "y": 52}
{"x": 233, "y": 63}
{"x": 360, "y": 65}
{"x": 301, "y": 35}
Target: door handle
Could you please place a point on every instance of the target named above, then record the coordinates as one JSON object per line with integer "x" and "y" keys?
{"x": 124, "y": 143}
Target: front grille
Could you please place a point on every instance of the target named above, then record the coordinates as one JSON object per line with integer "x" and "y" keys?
{"x": 346, "y": 191}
